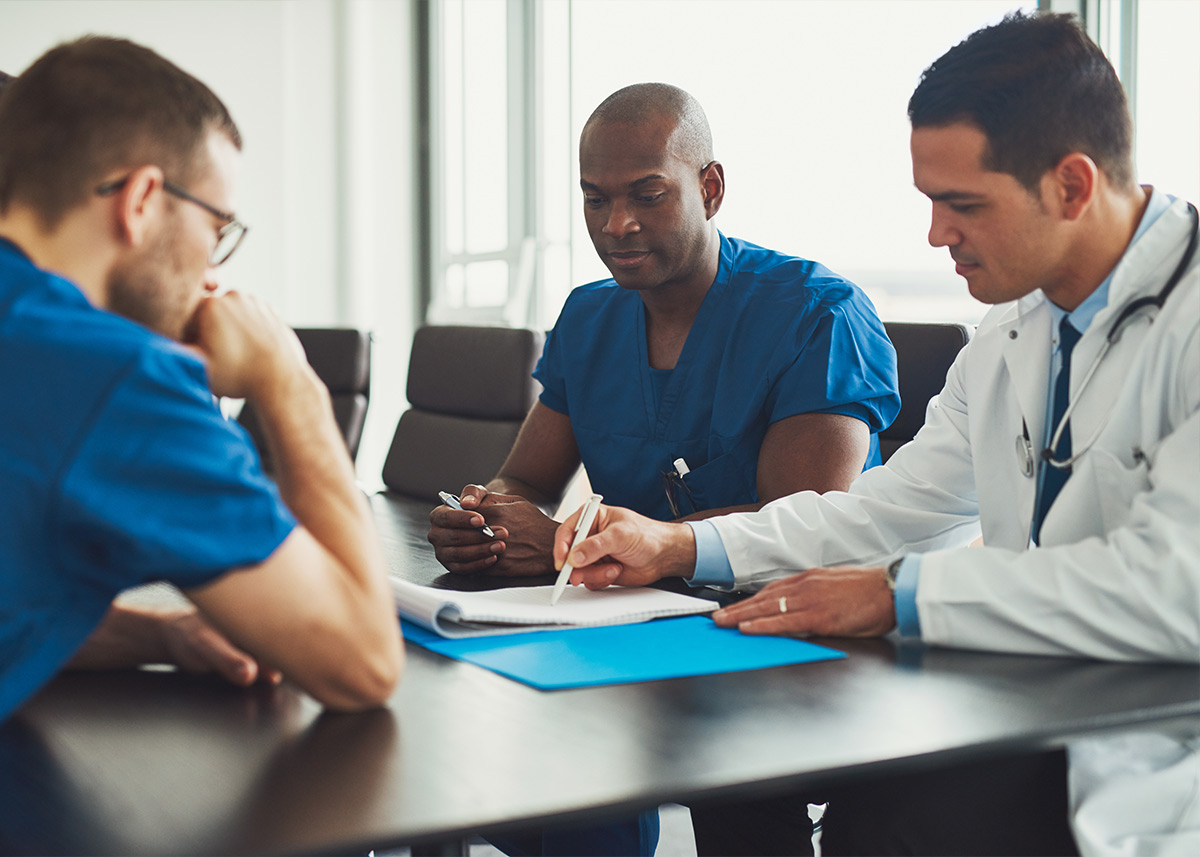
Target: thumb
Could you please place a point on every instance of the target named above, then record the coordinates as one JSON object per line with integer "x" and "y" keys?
{"x": 611, "y": 539}
{"x": 472, "y": 496}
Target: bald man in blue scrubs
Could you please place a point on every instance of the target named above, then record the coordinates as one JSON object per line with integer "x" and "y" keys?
{"x": 762, "y": 374}
{"x": 708, "y": 375}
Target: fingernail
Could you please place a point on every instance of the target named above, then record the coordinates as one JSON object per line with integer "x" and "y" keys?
{"x": 497, "y": 547}
{"x": 612, "y": 573}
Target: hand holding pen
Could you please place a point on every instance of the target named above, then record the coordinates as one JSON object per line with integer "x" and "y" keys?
{"x": 513, "y": 540}
{"x": 586, "y": 518}
{"x": 624, "y": 549}
{"x": 454, "y": 502}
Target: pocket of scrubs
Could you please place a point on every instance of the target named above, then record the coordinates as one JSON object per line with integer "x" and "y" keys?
{"x": 719, "y": 483}
{"x": 1116, "y": 484}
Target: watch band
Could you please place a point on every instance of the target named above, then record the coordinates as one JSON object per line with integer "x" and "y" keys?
{"x": 892, "y": 572}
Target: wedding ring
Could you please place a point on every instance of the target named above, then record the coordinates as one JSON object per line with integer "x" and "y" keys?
{"x": 783, "y": 604}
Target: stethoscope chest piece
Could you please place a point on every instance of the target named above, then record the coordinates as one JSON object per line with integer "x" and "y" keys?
{"x": 1025, "y": 455}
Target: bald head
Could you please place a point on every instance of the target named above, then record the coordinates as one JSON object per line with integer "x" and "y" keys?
{"x": 656, "y": 105}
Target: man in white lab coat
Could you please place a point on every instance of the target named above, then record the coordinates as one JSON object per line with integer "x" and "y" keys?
{"x": 1068, "y": 434}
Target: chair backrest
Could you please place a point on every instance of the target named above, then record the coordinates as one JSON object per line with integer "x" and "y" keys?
{"x": 341, "y": 357}
{"x": 469, "y": 389}
{"x": 924, "y": 353}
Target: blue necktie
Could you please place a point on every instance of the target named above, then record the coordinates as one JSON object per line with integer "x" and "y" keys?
{"x": 1056, "y": 477}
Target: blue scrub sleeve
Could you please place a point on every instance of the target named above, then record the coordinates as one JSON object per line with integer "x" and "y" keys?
{"x": 847, "y": 365}
{"x": 549, "y": 372}
{"x": 163, "y": 487}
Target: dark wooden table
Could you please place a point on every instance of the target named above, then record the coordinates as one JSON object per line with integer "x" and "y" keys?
{"x": 154, "y": 762}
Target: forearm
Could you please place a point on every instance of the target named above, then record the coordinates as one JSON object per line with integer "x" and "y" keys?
{"x": 315, "y": 474}
{"x": 724, "y": 510}
{"x": 126, "y": 637}
{"x": 508, "y": 484}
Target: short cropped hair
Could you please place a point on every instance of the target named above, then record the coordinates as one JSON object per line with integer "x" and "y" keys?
{"x": 646, "y": 102}
{"x": 1039, "y": 89}
{"x": 94, "y": 105}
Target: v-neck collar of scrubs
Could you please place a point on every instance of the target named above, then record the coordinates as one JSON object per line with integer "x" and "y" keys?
{"x": 660, "y": 417}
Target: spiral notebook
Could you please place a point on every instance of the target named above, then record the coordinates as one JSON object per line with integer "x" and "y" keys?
{"x": 450, "y": 613}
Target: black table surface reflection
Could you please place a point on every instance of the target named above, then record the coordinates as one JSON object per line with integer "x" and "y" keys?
{"x": 155, "y": 762}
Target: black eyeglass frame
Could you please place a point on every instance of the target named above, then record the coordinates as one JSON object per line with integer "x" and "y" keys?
{"x": 231, "y": 221}
{"x": 678, "y": 492}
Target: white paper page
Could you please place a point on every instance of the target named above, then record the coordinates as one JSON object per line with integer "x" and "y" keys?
{"x": 528, "y": 608}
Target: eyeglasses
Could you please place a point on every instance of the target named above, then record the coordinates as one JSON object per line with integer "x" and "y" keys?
{"x": 679, "y": 495}
{"x": 229, "y": 237}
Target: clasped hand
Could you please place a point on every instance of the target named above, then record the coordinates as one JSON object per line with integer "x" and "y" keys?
{"x": 521, "y": 546}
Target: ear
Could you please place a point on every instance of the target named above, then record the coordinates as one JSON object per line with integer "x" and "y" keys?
{"x": 712, "y": 183}
{"x": 1076, "y": 181}
{"x": 138, "y": 205}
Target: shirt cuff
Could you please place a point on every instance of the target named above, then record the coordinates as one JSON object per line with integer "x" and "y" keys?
{"x": 712, "y": 564}
{"x": 908, "y": 620}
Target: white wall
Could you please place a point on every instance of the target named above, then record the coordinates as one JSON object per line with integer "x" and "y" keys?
{"x": 323, "y": 93}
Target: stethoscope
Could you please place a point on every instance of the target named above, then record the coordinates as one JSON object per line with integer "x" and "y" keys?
{"x": 1024, "y": 445}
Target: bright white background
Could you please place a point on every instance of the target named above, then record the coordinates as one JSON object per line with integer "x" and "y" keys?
{"x": 807, "y": 105}
{"x": 806, "y": 99}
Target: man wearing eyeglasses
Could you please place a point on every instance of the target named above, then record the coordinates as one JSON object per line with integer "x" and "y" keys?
{"x": 116, "y": 467}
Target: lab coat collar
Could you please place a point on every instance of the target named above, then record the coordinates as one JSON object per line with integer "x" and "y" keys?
{"x": 1148, "y": 262}
{"x": 1026, "y": 328}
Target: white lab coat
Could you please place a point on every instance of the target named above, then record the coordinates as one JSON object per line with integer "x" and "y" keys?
{"x": 1118, "y": 574}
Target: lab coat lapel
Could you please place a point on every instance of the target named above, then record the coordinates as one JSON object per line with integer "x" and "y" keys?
{"x": 1026, "y": 349}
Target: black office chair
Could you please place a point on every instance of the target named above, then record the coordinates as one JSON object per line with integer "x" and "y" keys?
{"x": 341, "y": 357}
{"x": 924, "y": 353}
{"x": 469, "y": 389}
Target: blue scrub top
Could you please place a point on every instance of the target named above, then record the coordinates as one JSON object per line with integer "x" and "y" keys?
{"x": 776, "y": 336}
{"x": 116, "y": 469}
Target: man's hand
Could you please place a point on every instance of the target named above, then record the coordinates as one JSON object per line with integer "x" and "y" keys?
{"x": 822, "y": 602}
{"x": 246, "y": 345}
{"x": 196, "y": 647}
{"x": 626, "y": 549}
{"x": 522, "y": 544}
{"x": 129, "y": 637}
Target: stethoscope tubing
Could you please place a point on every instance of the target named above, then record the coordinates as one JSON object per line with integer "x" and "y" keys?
{"x": 1114, "y": 334}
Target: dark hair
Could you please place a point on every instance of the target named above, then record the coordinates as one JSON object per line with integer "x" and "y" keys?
{"x": 5, "y": 77}
{"x": 89, "y": 106}
{"x": 1039, "y": 89}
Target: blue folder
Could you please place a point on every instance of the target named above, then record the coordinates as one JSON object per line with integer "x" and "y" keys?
{"x": 621, "y": 654}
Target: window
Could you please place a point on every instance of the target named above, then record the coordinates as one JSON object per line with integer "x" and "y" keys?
{"x": 807, "y": 105}
{"x": 1167, "y": 107}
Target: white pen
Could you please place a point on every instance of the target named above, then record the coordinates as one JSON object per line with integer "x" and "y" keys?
{"x": 585, "y": 526}
{"x": 453, "y": 502}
